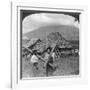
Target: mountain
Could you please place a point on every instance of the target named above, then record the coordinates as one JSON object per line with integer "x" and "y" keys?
{"x": 68, "y": 32}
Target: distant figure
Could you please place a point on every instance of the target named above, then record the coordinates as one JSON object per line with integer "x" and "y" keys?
{"x": 34, "y": 60}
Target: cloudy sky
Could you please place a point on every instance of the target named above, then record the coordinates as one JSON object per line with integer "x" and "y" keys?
{"x": 35, "y": 21}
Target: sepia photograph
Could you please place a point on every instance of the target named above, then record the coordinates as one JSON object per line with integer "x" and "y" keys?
{"x": 49, "y": 43}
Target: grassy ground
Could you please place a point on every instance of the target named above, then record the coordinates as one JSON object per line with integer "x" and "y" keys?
{"x": 65, "y": 66}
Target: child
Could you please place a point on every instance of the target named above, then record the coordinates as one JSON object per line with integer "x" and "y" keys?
{"x": 34, "y": 60}
{"x": 47, "y": 55}
{"x": 50, "y": 68}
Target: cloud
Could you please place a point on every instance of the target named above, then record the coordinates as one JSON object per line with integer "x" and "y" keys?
{"x": 35, "y": 21}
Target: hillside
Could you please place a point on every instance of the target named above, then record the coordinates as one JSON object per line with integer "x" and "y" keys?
{"x": 68, "y": 32}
